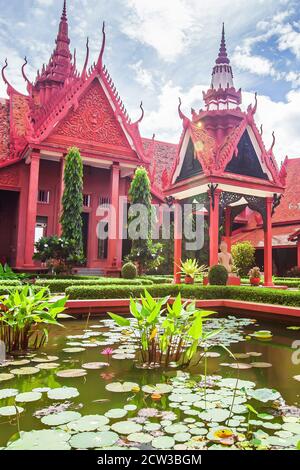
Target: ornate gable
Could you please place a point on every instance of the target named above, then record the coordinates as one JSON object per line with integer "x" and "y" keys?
{"x": 93, "y": 120}
{"x": 191, "y": 165}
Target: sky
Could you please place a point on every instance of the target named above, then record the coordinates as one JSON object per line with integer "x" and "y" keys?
{"x": 159, "y": 50}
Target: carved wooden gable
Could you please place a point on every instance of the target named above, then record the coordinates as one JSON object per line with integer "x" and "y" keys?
{"x": 93, "y": 120}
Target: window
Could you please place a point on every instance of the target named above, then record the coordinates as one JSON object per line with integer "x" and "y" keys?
{"x": 104, "y": 202}
{"x": 44, "y": 196}
{"x": 86, "y": 200}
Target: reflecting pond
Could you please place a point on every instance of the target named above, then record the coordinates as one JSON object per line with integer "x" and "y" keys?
{"x": 85, "y": 390}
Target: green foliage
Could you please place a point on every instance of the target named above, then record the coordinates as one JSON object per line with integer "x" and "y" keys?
{"x": 129, "y": 271}
{"x": 72, "y": 201}
{"x": 243, "y": 257}
{"x": 6, "y": 273}
{"x": 191, "y": 268}
{"x": 58, "y": 286}
{"x": 168, "y": 333}
{"x": 146, "y": 253}
{"x": 60, "y": 254}
{"x": 244, "y": 293}
{"x": 23, "y": 312}
{"x": 5, "y": 289}
{"x": 255, "y": 273}
{"x": 218, "y": 275}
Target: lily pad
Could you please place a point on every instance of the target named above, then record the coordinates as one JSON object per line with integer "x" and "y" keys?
{"x": 261, "y": 365}
{"x": 119, "y": 387}
{"x": 89, "y": 423}
{"x": 182, "y": 437}
{"x": 116, "y": 413}
{"x": 60, "y": 418}
{"x": 64, "y": 393}
{"x": 48, "y": 366}
{"x": 11, "y": 410}
{"x": 41, "y": 389}
{"x": 8, "y": 393}
{"x": 216, "y": 415}
{"x": 91, "y": 440}
{"x": 264, "y": 394}
{"x": 126, "y": 427}
{"x": 130, "y": 407}
{"x": 140, "y": 438}
{"x": 95, "y": 365}
{"x": 297, "y": 377}
{"x": 158, "y": 388}
{"x": 28, "y": 397}
{"x": 5, "y": 377}
{"x": 71, "y": 373}
{"x": 176, "y": 428}
{"x": 163, "y": 442}
{"x": 44, "y": 360}
{"x": 26, "y": 371}
{"x": 73, "y": 350}
{"x": 41, "y": 440}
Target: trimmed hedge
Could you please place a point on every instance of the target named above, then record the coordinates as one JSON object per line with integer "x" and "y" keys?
{"x": 59, "y": 286}
{"x": 292, "y": 283}
{"x": 10, "y": 282}
{"x": 250, "y": 294}
{"x": 5, "y": 289}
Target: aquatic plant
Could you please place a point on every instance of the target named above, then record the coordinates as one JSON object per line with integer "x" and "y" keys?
{"x": 22, "y": 314}
{"x": 167, "y": 332}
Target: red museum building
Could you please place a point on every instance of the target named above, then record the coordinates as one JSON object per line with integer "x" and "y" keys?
{"x": 220, "y": 159}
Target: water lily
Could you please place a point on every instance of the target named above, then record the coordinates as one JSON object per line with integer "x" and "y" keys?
{"x": 108, "y": 352}
{"x": 108, "y": 376}
{"x": 148, "y": 412}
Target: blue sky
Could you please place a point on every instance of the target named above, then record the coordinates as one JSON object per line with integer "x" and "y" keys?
{"x": 158, "y": 50}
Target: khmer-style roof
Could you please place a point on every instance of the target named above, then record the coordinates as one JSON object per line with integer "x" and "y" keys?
{"x": 57, "y": 92}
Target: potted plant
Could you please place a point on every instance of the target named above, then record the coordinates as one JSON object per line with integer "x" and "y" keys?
{"x": 255, "y": 276}
{"x": 190, "y": 268}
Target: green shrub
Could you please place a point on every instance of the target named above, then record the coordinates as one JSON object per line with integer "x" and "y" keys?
{"x": 244, "y": 293}
{"x": 58, "y": 286}
{"x": 244, "y": 257}
{"x": 129, "y": 271}
{"x": 10, "y": 283}
{"x": 218, "y": 275}
{"x": 6, "y": 289}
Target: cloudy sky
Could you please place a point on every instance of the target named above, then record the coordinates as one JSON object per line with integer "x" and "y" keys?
{"x": 158, "y": 50}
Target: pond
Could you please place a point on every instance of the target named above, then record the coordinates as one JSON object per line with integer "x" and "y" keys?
{"x": 73, "y": 396}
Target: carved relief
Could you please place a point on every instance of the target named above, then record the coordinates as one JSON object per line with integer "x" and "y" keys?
{"x": 9, "y": 176}
{"x": 4, "y": 131}
{"x": 205, "y": 147}
{"x": 94, "y": 120}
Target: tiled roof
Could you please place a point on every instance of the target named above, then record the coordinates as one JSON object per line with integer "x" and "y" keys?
{"x": 280, "y": 236}
{"x": 289, "y": 209}
{"x": 161, "y": 156}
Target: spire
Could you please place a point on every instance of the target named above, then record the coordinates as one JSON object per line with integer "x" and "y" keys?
{"x": 222, "y": 57}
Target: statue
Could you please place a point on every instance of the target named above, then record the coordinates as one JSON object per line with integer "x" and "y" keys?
{"x": 225, "y": 258}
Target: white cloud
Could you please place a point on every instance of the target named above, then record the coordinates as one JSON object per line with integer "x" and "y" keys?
{"x": 143, "y": 76}
{"x": 44, "y": 3}
{"x": 259, "y": 65}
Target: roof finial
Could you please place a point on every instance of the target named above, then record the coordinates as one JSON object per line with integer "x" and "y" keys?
{"x": 222, "y": 57}
{"x": 64, "y": 12}
{"x": 23, "y": 72}
{"x": 273, "y": 143}
{"x": 3, "y": 72}
{"x": 142, "y": 115}
{"x": 83, "y": 75}
{"x": 99, "y": 63}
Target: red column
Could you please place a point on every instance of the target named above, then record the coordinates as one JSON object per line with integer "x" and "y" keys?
{"x": 268, "y": 244}
{"x": 214, "y": 228}
{"x": 177, "y": 242}
{"x": 114, "y": 259}
{"x": 298, "y": 253}
{"x": 32, "y": 208}
{"x": 60, "y": 195}
{"x": 228, "y": 228}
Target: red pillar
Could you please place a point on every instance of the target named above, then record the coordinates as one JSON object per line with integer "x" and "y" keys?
{"x": 214, "y": 228}
{"x": 298, "y": 253}
{"x": 177, "y": 242}
{"x": 60, "y": 195}
{"x": 228, "y": 228}
{"x": 32, "y": 208}
{"x": 114, "y": 259}
{"x": 268, "y": 265}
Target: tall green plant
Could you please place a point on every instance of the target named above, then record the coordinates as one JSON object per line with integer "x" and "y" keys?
{"x": 167, "y": 333}
{"x": 144, "y": 252}
{"x": 72, "y": 201}
{"x": 243, "y": 257}
{"x": 22, "y": 315}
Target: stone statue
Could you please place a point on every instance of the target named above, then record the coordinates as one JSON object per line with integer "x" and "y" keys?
{"x": 225, "y": 258}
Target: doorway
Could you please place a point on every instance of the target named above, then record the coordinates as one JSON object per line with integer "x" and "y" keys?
{"x": 85, "y": 232}
{"x": 9, "y": 205}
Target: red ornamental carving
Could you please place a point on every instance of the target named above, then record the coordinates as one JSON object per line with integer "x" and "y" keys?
{"x": 94, "y": 120}
{"x": 205, "y": 146}
{"x": 9, "y": 177}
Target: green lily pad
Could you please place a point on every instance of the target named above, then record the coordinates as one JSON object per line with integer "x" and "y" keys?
{"x": 48, "y": 366}
{"x": 264, "y": 394}
{"x": 216, "y": 415}
{"x": 44, "y": 360}
{"x": 26, "y": 371}
{"x": 71, "y": 373}
{"x": 126, "y": 427}
{"x": 176, "y": 428}
{"x": 95, "y": 365}
{"x": 11, "y": 410}
{"x": 119, "y": 387}
{"x": 73, "y": 350}
{"x": 182, "y": 437}
{"x": 152, "y": 427}
{"x": 89, "y": 423}
{"x": 64, "y": 393}
{"x": 163, "y": 442}
{"x": 28, "y": 397}
{"x": 297, "y": 377}
{"x": 41, "y": 440}
{"x": 5, "y": 377}
{"x": 8, "y": 393}
{"x": 116, "y": 413}
{"x": 41, "y": 389}
{"x": 158, "y": 388}
{"x": 140, "y": 438}
{"x": 60, "y": 418}
{"x": 233, "y": 383}
{"x": 261, "y": 365}
{"x": 130, "y": 407}
{"x": 20, "y": 362}
{"x": 91, "y": 440}
{"x": 292, "y": 427}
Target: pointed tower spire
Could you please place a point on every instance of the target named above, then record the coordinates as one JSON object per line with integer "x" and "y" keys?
{"x": 222, "y": 94}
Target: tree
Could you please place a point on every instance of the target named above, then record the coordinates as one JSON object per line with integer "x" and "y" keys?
{"x": 243, "y": 257}
{"x": 144, "y": 252}
{"x": 72, "y": 201}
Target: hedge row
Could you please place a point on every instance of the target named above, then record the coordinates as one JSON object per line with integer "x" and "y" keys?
{"x": 60, "y": 285}
{"x": 9, "y": 282}
{"x": 292, "y": 283}
{"x": 5, "y": 289}
{"x": 250, "y": 294}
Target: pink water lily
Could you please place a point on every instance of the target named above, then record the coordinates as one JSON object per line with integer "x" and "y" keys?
{"x": 107, "y": 352}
